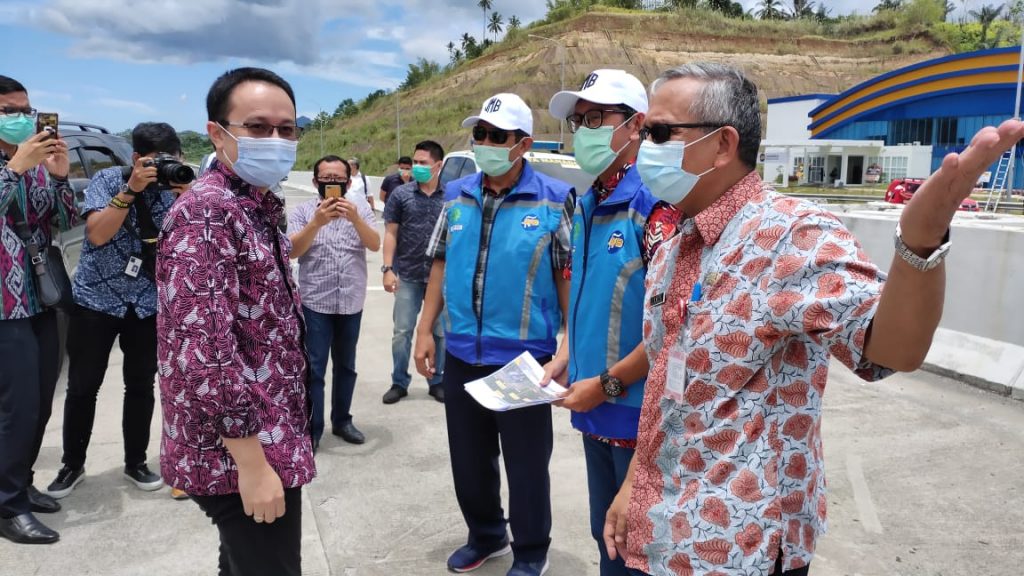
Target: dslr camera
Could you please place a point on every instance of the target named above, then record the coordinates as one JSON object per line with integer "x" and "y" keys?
{"x": 169, "y": 171}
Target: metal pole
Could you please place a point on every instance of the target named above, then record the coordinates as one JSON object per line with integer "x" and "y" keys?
{"x": 398, "y": 125}
{"x": 321, "y": 132}
{"x": 1008, "y": 192}
{"x": 561, "y": 49}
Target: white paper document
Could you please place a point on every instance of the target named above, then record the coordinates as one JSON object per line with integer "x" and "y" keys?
{"x": 515, "y": 385}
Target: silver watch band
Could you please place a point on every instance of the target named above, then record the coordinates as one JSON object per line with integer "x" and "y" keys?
{"x": 917, "y": 262}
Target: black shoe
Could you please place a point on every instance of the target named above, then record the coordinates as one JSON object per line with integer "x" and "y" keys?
{"x": 65, "y": 482}
{"x": 349, "y": 433}
{"x": 143, "y": 478}
{"x": 316, "y": 445}
{"x": 26, "y": 529}
{"x": 437, "y": 392}
{"x": 394, "y": 394}
{"x": 41, "y": 502}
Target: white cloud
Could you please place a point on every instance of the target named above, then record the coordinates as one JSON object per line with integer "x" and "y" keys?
{"x": 120, "y": 104}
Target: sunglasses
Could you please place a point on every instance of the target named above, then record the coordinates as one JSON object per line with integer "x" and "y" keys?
{"x": 661, "y": 133}
{"x": 496, "y": 135}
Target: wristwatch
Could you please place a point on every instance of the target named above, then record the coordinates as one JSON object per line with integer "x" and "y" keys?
{"x": 612, "y": 386}
{"x": 919, "y": 263}
{"x": 385, "y": 269}
{"x": 127, "y": 190}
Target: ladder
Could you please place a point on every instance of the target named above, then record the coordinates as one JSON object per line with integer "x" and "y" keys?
{"x": 995, "y": 192}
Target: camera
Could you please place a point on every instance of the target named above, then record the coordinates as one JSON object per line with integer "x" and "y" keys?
{"x": 169, "y": 171}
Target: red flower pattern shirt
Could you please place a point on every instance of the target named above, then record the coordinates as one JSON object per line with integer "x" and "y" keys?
{"x": 729, "y": 458}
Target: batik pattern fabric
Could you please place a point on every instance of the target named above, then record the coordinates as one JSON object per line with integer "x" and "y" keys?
{"x": 230, "y": 338}
{"x": 729, "y": 462}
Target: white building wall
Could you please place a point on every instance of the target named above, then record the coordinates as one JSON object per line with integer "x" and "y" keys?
{"x": 789, "y": 120}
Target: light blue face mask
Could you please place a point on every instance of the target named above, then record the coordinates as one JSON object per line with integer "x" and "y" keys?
{"x": 16, "y": 128}
{"x": 593, "y": 148}
{"x": 661, "y": 169}
{"x": 263, "y": 162}
{"x": 493, "y": 160}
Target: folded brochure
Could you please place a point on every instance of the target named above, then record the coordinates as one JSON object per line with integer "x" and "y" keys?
{"x": 515, "y": 385}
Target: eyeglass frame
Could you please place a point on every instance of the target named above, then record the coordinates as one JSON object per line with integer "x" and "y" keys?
{"x": 574, "y": 124}
{"x": 275, "y": 128}
{"x": 490, "y": 133}
{"x": 647, "y": 133}
{"x": 27, "y": 112}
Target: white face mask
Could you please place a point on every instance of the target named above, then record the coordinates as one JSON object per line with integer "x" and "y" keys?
{"x": 263, "y": 162}
{"x": 661, "y": 169}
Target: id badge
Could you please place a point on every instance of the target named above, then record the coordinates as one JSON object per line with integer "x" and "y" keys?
{"x": 134, "y": 266}
{"x": 675, "y": 383}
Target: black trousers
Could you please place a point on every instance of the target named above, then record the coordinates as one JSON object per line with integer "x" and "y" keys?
{"x": 91, "y": 336}
{"x": 525, "y": 439}
{"x": 251, "y": 549}
{"x": 29, "y": 356}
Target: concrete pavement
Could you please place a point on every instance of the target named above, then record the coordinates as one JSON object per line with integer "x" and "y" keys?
{"x": 924, "y": 477}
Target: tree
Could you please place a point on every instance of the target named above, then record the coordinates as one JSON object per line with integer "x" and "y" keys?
{"x": 802, "y": 9}
{"x": 451, "y": 47}
{"x": 485, "y": 5}
{"x": 514, "y": 23}
{"x": 346, "y": 108}
{"x": 723, "y": 6}
{"x": 823, "y": 14}
{"x": 456, "y": 56}
{"x": 1015, "y": 11}
{"x": 494, "y": 25}
{"x": 683, "y": 3}
{"x": 986, "y": 16}
{"x": 771, "y": 10}
{"x": 419, "y": 72}
{"x": 890, "y": 5}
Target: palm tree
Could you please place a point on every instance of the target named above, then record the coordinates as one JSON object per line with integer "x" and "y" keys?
{"x": 514, "y": 23}
{"x": 451, "y": 47}
{"x": 485, "y": 5}
{"x": 456, "y": 56}
{"x": 770, "y": 10}
{"x": 802, "y": 9}
{"x": 495, "y": 25}
{"x": 723, "y": 6}
{"x": 985, "y": 17}
{"x": 887, "y": 5}
{"x": 467, "y": 40}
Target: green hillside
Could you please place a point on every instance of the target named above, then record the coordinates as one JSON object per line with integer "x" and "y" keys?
{"x": 785, "y": 57}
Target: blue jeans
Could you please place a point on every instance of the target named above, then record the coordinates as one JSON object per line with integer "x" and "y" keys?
{"x": 408, "y": 301}
{"x": 337, "y": 335}
{"x": 606, "y": 470}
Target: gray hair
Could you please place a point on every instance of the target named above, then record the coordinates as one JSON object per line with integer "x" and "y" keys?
{"x": 728, "y": 97}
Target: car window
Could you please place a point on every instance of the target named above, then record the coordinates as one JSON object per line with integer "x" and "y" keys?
{"x": 451, "y": 168}
{"x": 468, "y": 168}
{"x": 97, "y": 159}
{"x": 77, "y": 169}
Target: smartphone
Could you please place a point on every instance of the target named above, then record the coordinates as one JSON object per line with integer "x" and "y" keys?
{"x": 46, "y": 121}
{"x": 333, "y": 191}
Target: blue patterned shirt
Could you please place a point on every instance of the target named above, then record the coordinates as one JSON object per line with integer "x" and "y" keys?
{"x": 101, "y": 283}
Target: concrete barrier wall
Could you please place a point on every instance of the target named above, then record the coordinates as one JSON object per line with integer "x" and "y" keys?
{"x": 984, "y": 272}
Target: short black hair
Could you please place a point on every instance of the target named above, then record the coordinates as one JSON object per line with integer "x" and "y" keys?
{"x": 9, "y": 85}
{"x": 219, "y": 96}
{"x": 520, "y": 134}
{"x": 433, "y": 148}
{"x": 149, "y": 137}
{"x": 405, "y": 160}
{"x": 331, "y": 158}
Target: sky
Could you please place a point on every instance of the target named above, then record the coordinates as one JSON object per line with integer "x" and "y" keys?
{"x": 120, "y": 62}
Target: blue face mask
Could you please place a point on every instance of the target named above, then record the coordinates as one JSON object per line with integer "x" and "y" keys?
{"x": 16, "y": 128}
{"x": 493, "y": 160}
{"x": 263, "y": 162}
{"x": 661, "y": 169}
{"x": 422, "y": 174}
{"x": 593, "y": 148}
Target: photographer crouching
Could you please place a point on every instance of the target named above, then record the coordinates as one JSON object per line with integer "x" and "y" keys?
{"x": 115, "y": 296}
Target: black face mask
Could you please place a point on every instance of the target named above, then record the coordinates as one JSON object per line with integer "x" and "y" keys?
{"x": 322, "y": 187}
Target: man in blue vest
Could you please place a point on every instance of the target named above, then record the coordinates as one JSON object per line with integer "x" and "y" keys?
{"x": 504, "y": 234}
{"x": 607, "y": 364}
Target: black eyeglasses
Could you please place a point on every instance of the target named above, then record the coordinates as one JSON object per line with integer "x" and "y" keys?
{"x": 496, "y": 135}
{"x": 593, "y": 118}
{"x": 262, "y": 130}
{"x": 332, "y": 180}
{"x": 661, "y": 133}
{"x": 11, "y": 111}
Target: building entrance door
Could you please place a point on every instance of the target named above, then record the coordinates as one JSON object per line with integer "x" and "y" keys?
{"x": 855, "y": 170}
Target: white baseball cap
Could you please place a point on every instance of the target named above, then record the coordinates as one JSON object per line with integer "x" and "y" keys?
{"x": 505, "y": 111}
{"x": 602, "y": 87}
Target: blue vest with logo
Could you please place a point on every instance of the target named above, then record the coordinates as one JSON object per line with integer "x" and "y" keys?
{"x": 606, "y": 304}
{"x": 520, "y": 298}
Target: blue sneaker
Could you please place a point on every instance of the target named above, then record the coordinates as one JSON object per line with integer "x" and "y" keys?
{"x": 524, "y": 568}
{"x": 470, "y": 557}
